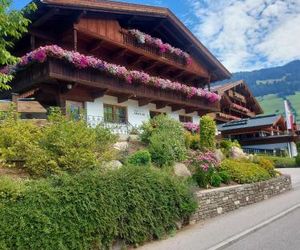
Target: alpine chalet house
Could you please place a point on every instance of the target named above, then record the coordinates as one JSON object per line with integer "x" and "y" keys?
{"x": 122, "y": 63}
{"x": 268, "y": 134}
{"x": 237, "y": 102}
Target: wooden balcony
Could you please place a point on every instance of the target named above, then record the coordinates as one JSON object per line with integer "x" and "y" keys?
{"x": 117, "y": 45}
{"x": 53, "y": 76}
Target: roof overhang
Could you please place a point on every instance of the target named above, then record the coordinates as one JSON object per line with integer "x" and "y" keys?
{"x": 189, "y": 42}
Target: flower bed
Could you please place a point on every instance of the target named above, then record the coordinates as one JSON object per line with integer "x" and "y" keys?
{"x": 81, "y": 61}
{"x": 143, "y": 38}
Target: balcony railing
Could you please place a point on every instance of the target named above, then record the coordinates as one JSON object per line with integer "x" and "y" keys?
{"x": 116, "y": 128}
{"x": 132, "y": 41}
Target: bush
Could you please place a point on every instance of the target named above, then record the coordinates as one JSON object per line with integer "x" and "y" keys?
{"x": 244, "y": 171}
{"x": 226, "y": 146}
{"x": 61, "y": 145}
{"x": 215, "y": 179}
{"x": 297, "y": 160}
{"x": 165, "y": 137}
{"x": 225, "y": 176}
{"x": 267, "y": 165}
{"x": 90, "y": 210}
{"x": 282, "y": 162}
{"x": 140, "y": 158}
{"x": 192, "y": 141}
{"x": 207, "y": 132}
{"x": 159, "y": 123}
{"x": 204, "y": 166}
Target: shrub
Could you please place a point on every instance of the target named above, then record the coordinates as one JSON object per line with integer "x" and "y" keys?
{"x": 165, "y": 137}
{"x": 215, "y": 179}
{"x": 297, "y": 160}
{"x": 244, "y": 171}
{"x": 282, "y": 162}
{"x": 207, "y": 132}
{"x": 267, "y": 165}
{"x": 161, "y": 149}
{"x": 61, "y": 145}
{"x": 192, "y": 141}
{"x": 90, "y": 210}
{"x": 226, "y": 146}
{"x": 140, "y": 158}
{"x": 161, "y": 122}
{"x": 204, "y": 167}
{"x": 225, "y": 176}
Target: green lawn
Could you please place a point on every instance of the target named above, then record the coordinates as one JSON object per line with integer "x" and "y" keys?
{"x": 273, "y": 104}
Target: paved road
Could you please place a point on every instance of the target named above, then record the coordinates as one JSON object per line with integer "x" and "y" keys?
{"x": 214, "y": 232}
{"x": 283, "y": 234}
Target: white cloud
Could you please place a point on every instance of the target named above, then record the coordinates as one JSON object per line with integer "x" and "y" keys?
{"x": 249, "y": 34}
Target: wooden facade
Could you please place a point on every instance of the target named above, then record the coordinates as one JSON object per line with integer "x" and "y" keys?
{"x": 102, "y": 29}
{"x": 237, "y": 102}
{"x": 262, "y": 133}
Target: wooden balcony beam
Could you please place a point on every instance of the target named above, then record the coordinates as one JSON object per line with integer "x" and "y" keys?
{"x": 124, "y": 98}
{"x": 45, "y": 17}
{"x": 175, "y": 108}
{"x": 190, "y": 110}
{"x": 161, "y": 105}
{"x": 98, "y": 93}
{"x": 95, "y": 45}
{"x": 144, "y": 101}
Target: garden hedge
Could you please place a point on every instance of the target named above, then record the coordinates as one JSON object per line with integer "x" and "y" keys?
{"x": 91, "y": 210}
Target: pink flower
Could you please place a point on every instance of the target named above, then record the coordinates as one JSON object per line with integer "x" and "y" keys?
{"x": 80, "y": 61}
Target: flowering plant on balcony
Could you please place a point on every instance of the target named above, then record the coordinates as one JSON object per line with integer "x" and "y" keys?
{"x": 163, "y": 47}
{"x": 192, "y": 127}
{"x": 241, "y": 108}
{"x": 80, "y": 61}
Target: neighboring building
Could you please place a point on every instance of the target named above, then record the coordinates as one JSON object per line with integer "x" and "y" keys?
{"x": 237, "y": 102}
{"x": 263, "y": 134}
{"x": 156, "y": 76}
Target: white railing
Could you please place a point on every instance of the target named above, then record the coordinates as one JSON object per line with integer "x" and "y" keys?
{"x": 116, "y": 128}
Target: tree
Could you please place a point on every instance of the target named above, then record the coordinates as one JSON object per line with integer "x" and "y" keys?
{"x": 13, "y": 24}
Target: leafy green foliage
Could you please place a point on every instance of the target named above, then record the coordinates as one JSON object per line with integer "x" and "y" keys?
{"x": 281, "y": 162}
{"x": 207, "y": 132}
{"x": 268, "y": 165}
{"x": 166, "y": 140}
{"x": 297, "y": 160}
{"x": 192, "y": 141}
{"x": 62, "y": 145}
{"x": 243, "y": 171}
{"x": 91, "y": 209}
{"x": 140, "y": 158}
{"x": 13, "y": 25}
{"x": 225, "y": 176}
{"x": 226, "y": 146}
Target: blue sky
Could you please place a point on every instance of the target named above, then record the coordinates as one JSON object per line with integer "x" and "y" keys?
{"x": 242, "y": 34}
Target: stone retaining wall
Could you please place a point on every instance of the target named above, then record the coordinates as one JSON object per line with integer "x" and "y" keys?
{"x": 222, "y": 200}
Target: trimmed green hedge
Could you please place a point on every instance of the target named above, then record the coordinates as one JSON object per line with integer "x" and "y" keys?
{"x": 244, "y": 171}
{"x": 90, "y": 210}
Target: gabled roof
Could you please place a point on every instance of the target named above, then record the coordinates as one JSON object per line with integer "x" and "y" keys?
{"x": 221, "y": 89}
{"x": 258, "y": 121}
{"x": 136, "y": 12}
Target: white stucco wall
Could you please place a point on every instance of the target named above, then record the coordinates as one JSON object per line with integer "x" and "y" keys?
{"x": 136, "y": 114}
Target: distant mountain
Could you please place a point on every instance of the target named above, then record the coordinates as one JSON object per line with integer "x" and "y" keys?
{"x": 272, "y": 86}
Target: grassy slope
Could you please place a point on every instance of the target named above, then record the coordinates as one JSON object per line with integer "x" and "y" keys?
{"x": 273, "y": 104}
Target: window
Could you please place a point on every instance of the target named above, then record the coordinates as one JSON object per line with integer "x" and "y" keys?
{"x": 185, "y": 118}
{"x": 74, "y": 109}
{"x": 115, "y": 114}
{"x": 155, "y": 113}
